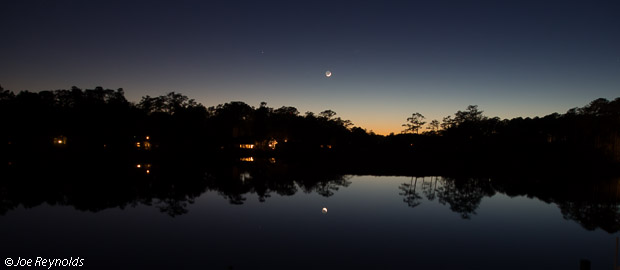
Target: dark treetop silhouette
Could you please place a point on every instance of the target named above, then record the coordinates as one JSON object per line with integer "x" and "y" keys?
{"x": 75, "y": 122}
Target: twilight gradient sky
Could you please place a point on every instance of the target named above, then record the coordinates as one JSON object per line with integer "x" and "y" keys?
{"x": 388, "y": 58}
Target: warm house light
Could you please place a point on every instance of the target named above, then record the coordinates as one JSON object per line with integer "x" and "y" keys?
{"x": 246, "y": 146}
{"x": 144, "y": 145}
{"x": 247, "y": 159}
{"x": 146, "y": 167}
{"x": 60, "y": 140}
{"x": 147, "y": 137}
{"x": 272, "y": 144}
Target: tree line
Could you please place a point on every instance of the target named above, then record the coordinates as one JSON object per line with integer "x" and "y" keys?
{"x": 583, "y": 136}
{"x": 104, "y": 120}
{"x": 92, "y": 118}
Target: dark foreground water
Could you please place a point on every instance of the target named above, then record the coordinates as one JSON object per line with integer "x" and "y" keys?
{"x": 371, "y": 222}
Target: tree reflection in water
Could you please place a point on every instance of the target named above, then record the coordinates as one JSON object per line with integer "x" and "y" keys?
{"x": 412, "y": 198}
{"x": 593, "y": 203}
{"x": 169, "y": 186}
{"x": 430, "y": 189}
{"x": 97, "y": 184}
{"x": 282, "y": 180}
{"x": 464, "y": 195}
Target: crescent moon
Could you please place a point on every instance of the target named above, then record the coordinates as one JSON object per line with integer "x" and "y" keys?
{"x": 328, "y": 74}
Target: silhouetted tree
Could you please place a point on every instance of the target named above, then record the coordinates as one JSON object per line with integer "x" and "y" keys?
{"x": 6, "y": 95}
{"x": 327, "y": 114}
{"x": 170, "y": 103}
{"x": 447, "y": 122}
{"x": 471, "y": 114}
{"x": 433, "y": 125}
{"x": 414, "y": 123}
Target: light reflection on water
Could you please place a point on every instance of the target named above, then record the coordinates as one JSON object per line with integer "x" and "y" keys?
{"x": 387, "y": 222}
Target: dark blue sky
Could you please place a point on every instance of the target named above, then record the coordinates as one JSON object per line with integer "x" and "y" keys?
{"x": 389, "y": 59}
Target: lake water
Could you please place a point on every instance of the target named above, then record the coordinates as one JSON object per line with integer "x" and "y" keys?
{"x": 245, "y": 221}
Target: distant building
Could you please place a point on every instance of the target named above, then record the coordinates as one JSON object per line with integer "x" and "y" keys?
{"x": 143, "y": 143}
{"x": 247, "y": 146}
{"x": 60, "y": 140}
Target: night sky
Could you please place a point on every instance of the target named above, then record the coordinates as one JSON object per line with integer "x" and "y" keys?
{"x": 388, "y": 59}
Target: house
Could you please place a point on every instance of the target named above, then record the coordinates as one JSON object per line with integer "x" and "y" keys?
{"x": 143, "y": 143}
{"x": 60, "y": 140}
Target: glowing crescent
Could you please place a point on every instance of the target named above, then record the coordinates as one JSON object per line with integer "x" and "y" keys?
{"x": 328, "y": 74}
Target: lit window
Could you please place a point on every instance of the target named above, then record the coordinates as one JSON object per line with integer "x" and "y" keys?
{"x": 60, "y": 140}
{"x": 272, "y": 144}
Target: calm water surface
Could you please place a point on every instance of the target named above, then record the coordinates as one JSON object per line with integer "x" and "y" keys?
{"x": 372, "y": 222}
